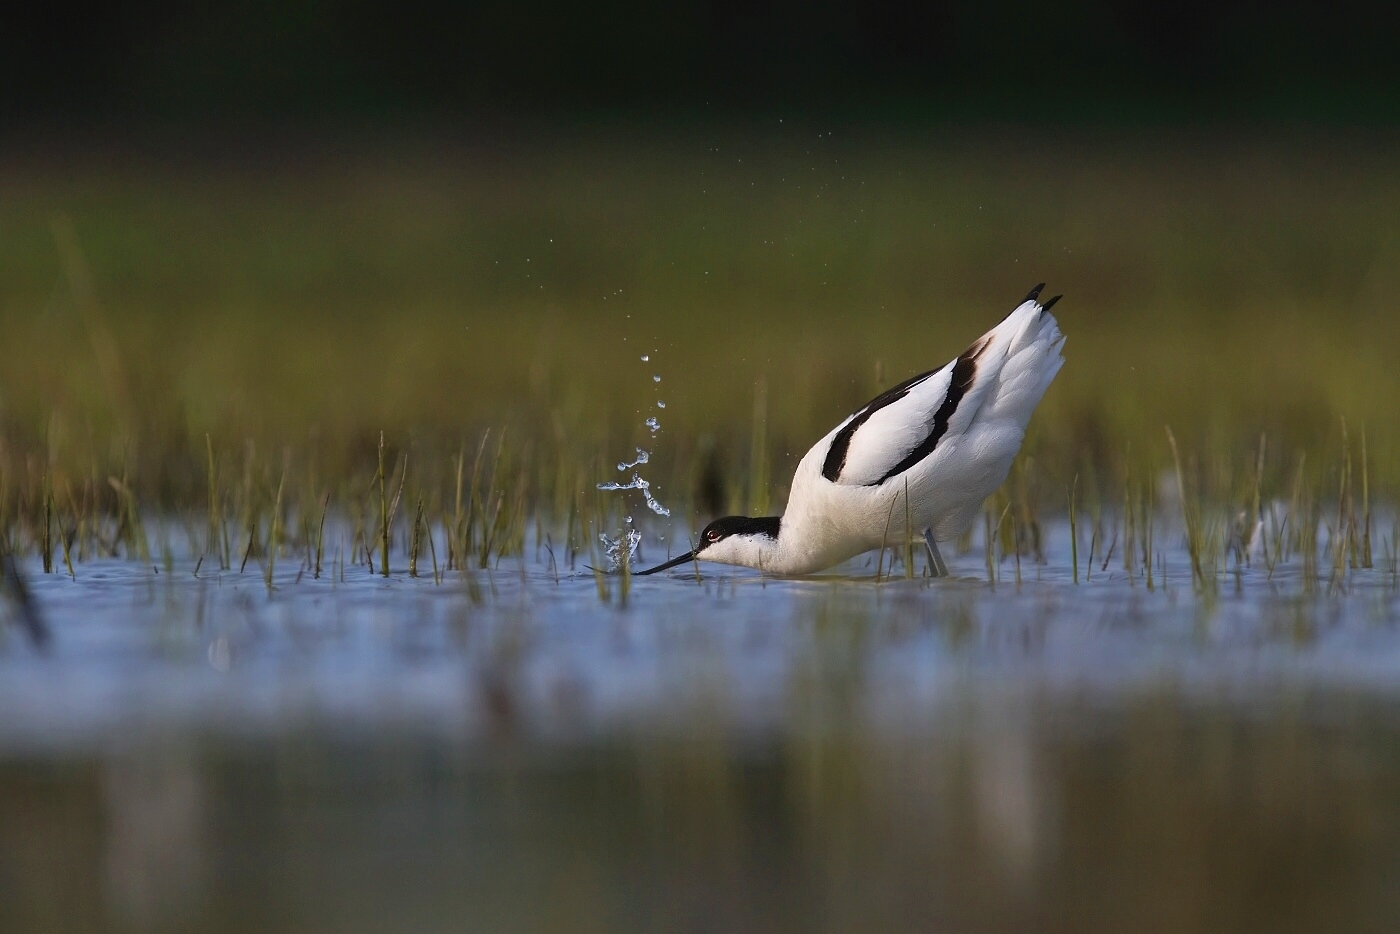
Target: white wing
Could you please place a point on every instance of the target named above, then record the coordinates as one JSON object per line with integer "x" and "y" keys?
{"x": 1005, "y": 372}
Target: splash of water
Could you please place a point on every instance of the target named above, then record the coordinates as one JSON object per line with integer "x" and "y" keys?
{"x": 613, "y": 547}
{"x": 631, "y": 537}
{"x": 637, "y": 483}
{"x": 643, "y": 455}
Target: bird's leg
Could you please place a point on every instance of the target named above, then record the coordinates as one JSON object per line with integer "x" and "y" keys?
{"x": 934, "y": 558}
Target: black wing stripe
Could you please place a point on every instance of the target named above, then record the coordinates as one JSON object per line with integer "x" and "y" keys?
{"x": 836, "y": 455}
{"x": 964, "y": 374}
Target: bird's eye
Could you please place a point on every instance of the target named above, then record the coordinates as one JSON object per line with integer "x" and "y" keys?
{"x": 712, "y": 536}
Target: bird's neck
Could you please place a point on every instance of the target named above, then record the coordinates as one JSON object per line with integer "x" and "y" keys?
{"x": 787, "y": 552}
{"x": 806, "y": 543}
{"x": 763, "y": 553}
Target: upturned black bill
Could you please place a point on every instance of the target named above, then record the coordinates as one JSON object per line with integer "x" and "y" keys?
{"x": 688, "y": 556}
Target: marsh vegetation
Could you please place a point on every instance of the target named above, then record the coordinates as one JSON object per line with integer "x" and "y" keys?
{"x": 300, "y": 458}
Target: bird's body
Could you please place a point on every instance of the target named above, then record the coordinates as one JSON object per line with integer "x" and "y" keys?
{"x": 930, "y": 449}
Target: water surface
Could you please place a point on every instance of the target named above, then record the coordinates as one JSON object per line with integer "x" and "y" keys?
{"x": 507, "y": 751}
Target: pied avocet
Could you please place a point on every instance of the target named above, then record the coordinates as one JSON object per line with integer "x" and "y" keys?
{"x": 934, "y": 447}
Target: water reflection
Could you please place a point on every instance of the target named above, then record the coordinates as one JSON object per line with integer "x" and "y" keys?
{"x": 508, "y": 753}
{"x": 154, "y": 845}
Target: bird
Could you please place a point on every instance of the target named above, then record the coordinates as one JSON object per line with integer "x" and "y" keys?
{"x": 931, "y": 449}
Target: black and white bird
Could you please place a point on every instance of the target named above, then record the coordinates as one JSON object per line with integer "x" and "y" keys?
{"x": 932, "y": 448}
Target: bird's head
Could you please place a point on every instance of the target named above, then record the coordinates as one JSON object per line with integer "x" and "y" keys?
{"x": 742, "y": 540}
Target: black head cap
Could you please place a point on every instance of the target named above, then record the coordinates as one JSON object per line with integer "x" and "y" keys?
{"x": 721, "y": 529}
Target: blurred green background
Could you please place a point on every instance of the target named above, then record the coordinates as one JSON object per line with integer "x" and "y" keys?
{"x": 314, "y": 293}
{"x": 302, "y": 224}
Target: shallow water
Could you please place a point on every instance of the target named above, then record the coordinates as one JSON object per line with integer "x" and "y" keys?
{"x": 510, "y": 752}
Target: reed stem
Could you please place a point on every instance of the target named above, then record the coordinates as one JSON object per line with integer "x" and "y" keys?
{"x": 1074, "y": 527}
{"x": 383, "y": 514}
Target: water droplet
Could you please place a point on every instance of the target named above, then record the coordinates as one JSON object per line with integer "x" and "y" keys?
{"x": 655, "y": 378}
{"x": 660, "y": 404}
{"x": 637, "y": 483}
{"x": 653, "y": 424}
{"x": 646, "y": 357}
{"x": 642, "y": 457}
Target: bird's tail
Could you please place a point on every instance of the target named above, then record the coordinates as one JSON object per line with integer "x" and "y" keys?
{"x": 1027, "y": 345}
{"x": 1015, "y": 363}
